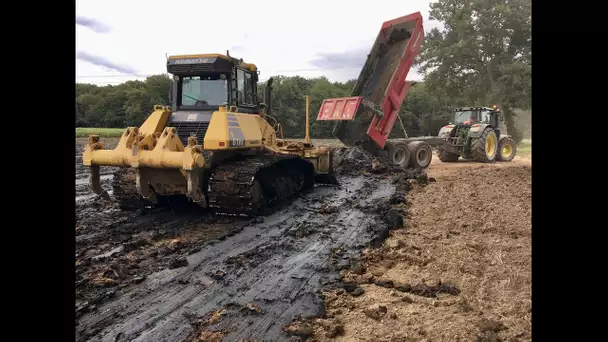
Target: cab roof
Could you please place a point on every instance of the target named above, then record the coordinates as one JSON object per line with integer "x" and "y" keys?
{"x": 236, "y": 61}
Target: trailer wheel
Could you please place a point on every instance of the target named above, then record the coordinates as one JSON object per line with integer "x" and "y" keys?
{"x": 421, "y": 154}
{"x": 398, "y": 154}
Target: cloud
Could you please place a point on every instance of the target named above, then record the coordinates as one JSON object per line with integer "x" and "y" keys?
{"x": 93, "y": 24}
{"x": 347, "y": 65}
{"x": 103, "y": 62}
{"x": 352, "y": 59}
{"x": 299, "y": 41}
{"x": 237, "y": 48}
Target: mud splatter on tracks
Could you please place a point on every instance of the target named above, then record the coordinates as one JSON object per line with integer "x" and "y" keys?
{"x": 153, "y": 275}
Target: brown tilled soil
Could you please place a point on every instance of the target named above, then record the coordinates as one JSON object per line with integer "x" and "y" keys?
{"x": 460, "y": 270}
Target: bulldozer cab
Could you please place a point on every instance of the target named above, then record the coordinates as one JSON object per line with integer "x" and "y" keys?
{"x": 206, "y": 82}
{"x": 202, "y": 91}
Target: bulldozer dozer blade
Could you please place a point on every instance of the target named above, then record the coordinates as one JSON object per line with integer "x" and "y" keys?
{"x": 94, "y": 180}
{"x": 157, "y": 158}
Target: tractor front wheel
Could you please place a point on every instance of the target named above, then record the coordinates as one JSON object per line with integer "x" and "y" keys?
{"x": 506, "y": 149}
{"x": 486, "y": 147}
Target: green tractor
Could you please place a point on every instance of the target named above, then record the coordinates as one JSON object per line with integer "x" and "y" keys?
{"x": 475, "y": 134}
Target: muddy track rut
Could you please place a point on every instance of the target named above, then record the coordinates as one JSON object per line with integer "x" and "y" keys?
{"x": 237, "y": 279}
{"x": 278, "y": 265}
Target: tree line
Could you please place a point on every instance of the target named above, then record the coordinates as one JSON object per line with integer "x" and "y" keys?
{"x": 481, "y": 57}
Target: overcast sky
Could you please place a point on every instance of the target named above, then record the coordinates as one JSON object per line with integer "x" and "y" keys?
{"x": 128, "y": 39}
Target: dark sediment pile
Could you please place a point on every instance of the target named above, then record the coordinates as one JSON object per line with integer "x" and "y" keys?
{"x": 356, "y": 161}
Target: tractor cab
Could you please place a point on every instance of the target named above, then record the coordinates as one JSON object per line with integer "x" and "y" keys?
{"x": 467, "y": 116}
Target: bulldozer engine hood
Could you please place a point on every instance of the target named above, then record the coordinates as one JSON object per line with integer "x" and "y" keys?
{"x": 191, "y": 116}
{"x": 190, "y": 123}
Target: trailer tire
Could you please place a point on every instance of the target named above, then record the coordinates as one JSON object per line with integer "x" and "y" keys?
{"x": 398, "y": 153}
{"x": 421, "y": 154}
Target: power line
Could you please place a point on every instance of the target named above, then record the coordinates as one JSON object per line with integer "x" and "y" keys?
{"x": 114, "y": 75}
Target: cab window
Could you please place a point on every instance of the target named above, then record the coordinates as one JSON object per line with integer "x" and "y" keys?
{"x": 244, "y": 82}
{"x": 204, "y": 91}
{"x": 485, "y": 116}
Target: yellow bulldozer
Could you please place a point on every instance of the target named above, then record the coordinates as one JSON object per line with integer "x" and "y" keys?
{"x": 216, "y": 145}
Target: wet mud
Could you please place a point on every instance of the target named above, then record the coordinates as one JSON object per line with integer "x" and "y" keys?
{"x": 157, "y": 275}
{"x": 83, "y": 196}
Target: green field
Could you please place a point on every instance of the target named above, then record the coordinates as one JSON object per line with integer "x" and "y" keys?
{"x": 525, "y": 147}
{"x": 82, "y": 132}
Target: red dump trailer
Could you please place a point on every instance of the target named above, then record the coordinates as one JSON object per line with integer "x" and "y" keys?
{"x": 367, "y": 117}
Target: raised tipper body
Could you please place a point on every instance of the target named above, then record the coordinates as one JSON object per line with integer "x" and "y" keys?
{"x": 368, "y": 116}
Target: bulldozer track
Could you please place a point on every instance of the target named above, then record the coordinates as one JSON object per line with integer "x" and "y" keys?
{"x": 231, "y": 186}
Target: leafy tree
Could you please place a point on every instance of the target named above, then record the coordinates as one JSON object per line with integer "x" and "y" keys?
{"x": 130, "y": 103}
{"x": 126, "y": 104}
{"x": 423, "y": 112}
{"x": 483, "y": 55}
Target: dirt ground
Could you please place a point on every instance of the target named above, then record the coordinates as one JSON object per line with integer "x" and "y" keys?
{"x": 460, "y": 270}
{"x": 300, "y": 274}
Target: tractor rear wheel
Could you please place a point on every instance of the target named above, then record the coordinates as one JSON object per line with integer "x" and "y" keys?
{"x": 421, "y": 154}
{"x": 448, "y": 157}
{"x": 506, "y": 149}
{"x": 398, "y": 153}
{"x": 486, "y": 147}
